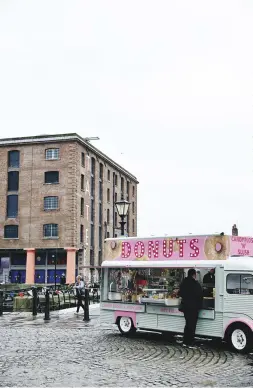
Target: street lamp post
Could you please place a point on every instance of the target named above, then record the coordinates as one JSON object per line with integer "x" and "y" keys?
{"x": 122, "y": 207}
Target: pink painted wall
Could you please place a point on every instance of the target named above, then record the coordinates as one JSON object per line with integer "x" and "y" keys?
{"x": 184, "y": 248}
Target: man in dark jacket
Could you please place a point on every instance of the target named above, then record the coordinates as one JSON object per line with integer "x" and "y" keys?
{"x": 192, "y": 296}
{"x": 209, "y": 277}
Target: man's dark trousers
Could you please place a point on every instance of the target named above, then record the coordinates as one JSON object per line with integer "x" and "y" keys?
{"x": 191, "y": 318}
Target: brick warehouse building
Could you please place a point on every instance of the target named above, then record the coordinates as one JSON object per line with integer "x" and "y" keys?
{"x": 57, "y": 197}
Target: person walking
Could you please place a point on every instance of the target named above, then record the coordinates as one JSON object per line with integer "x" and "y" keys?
{"x": 192, "y": 296}
{"x": 19, "y": 277}
{"x": 79, "y": 286}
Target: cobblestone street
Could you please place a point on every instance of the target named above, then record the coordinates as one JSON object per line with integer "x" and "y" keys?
{"x": 69, "y": 352}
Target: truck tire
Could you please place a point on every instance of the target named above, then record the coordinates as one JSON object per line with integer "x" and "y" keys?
{"x": 240, "y": 338}
{"x": 126, "y": 326}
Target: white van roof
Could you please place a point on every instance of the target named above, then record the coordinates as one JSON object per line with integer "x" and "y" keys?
{"x": 234, "y": 263}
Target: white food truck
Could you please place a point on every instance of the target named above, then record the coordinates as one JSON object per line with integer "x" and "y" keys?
{"x": 141, "y": 278}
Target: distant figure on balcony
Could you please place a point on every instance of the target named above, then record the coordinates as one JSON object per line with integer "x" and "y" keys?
{"x": 234, "y": 230}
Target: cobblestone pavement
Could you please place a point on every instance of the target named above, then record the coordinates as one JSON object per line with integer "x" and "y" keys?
{"x": 69, "y": 352}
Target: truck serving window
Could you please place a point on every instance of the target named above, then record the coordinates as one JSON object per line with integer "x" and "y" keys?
{"x": 131, "y": 285}
{"x": 240, "y": 284}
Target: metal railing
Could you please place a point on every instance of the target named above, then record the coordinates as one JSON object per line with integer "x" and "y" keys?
{"x": 44, "y": 299}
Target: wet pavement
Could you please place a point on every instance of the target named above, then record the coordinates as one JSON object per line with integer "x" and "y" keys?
{"x": 66, "y": 351}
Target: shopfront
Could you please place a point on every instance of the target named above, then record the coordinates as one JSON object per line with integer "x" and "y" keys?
{"x": 50, "y": 266}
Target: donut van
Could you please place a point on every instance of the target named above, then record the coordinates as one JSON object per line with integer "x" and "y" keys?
{"x": 141, "y": 279}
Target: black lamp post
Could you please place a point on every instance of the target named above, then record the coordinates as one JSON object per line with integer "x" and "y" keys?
{"x": 122, "y": 207}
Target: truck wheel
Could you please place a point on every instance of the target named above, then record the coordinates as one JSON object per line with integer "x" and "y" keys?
{"x": 240, "y": 338}
{"x": 125, "y": 325}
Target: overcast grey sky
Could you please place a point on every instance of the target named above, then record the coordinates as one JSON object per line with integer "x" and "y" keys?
{"x": 166, "y": 85}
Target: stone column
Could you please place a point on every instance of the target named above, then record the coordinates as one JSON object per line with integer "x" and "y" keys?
{"x": 30, "y": 265}
{"x": 71, "y": 265}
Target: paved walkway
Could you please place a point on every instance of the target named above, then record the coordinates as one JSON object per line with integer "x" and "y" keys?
{"x": 67, "y": 352}
{"x": 61, "y": 317}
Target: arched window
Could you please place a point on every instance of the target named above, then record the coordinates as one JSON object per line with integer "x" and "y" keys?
{"x": 13, "y": 159}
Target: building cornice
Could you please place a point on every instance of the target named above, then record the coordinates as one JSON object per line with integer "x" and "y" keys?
{"x": 68, "y": 137}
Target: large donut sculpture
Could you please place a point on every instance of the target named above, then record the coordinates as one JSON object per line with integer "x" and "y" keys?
{"x": 113, "y": 250}
{"x": 217, "y": 247}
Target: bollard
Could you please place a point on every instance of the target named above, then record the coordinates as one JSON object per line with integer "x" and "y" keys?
{"x": 59, "y": 302}
{"x": 69, "y": 300}
{"x": 47, "y": 307}
{"x": 1, "y": 303}
{"x": 86, "y": 305}
{"x": 35, "y": 300}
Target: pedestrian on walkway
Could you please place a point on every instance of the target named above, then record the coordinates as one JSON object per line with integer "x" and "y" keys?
{"x": 79, "y": 286}
{"x": 192, "y": 296}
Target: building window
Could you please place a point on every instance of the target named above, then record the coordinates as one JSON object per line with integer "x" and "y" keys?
{"x": 108, "y": 216}
{"x": 116, "y": 197}
{"x": 100, "y": 238}
{"x": 128, "y": 190}
{"x": 240, "y": 284}
{"x": 116, "y": 219}
{"x": 133, "y": 193}
{"x": 101, "y": 171}
{"x": 108, "y": 175}
{"x": 13, "y": 159}
{"x": 51, "y": 203}
{"x": 91, "y": 257}
{"x": 108, "y": 234}
{"x": 133, "y": 207}
{"x": 50, "y": 230}
{"x": 92, "y": 187}
{"x": 82, "y": 207}
{"x": 92, "y": 235}
{"x": 100, "y": 191}
{"x": 133, "y": 226}
{"x": 13, "y": 180}
{"x": 82, "y": 182}
{"x": 92, "y": 210}
{"x": 100, "y": 214}
{"x": 116, "y": 180}
{"x": 93, "y": 166}
{"x": 11, "y": 231}
{"x": 128, "y": 223}
{"x": 81, "y": 233}
{"x": 83, "y": 159}
{"x": 108, "y": 195}
{"x": 122, "y": 187}
{"x": 12, "y": 206}
{"x": 52, "y": 153}
{"x": 52, "y": 177}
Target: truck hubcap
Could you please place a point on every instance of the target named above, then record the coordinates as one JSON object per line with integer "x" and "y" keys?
{"x": 239, "y": 339}
{"x": 125, "y": 324}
